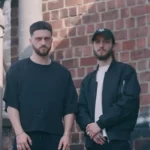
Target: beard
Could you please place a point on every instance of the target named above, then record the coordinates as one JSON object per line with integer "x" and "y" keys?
{"x": 42, "y": 54}
{"x": 104, "y": 57}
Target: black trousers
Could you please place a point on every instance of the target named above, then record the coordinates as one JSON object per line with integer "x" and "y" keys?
{"x": 113, "y": 145}
{"x": 42, "y": 141}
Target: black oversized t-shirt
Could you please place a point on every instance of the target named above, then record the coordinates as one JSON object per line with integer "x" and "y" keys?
{"x": 42, "y": 94}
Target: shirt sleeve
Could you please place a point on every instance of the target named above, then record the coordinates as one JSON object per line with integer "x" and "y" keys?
{"x": 11, "y": 90}
{"x": 70, "y": 104}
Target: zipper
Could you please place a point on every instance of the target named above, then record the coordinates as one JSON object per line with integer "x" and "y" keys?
{"x": 122, "y": 88}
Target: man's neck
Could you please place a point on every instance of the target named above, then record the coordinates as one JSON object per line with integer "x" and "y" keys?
{"x": 105, "y": 62}
{"x": 45, "y": 60}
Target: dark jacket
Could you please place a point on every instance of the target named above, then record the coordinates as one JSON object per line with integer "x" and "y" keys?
{"x": 120, "y": 101}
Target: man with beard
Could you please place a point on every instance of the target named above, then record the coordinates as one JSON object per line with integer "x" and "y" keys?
{"x": 40, "y": 96}
{"x": 109, "y": 98}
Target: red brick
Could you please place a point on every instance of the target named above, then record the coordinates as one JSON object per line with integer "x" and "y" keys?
{"x": 110, "y": 15}
{"x": 130, "y": 2}
{"x": 118, "y": 47}
{"x": 14, "y": 41}
{"x": 55, "y": 15}
{"x": 145, "y": 99}
{"x": 124, "y": 57}
{"x": 121, "y": 35}
{"x": 55, "y": 34}
{"x": 81, "y": 30}
{"x": 111, "y": 5}
{"x": 90, "y": 39}
{"x": 72, "y": 31}
{"x": 44, "y": 8}
{"x": 68, "y": 53}
{"x": 109, "y": 25}
{"x": 59, "y": 55}
{"x": 80, "y": 72}
{"x": 141, "y": 43}
{"x": 91, "y": 8}
{"x": 72, "y": 21}
{"x": 120, "y": 3}
{"x": 87, "y": 51}
{"x": 130, "y": 22}
{"x": 91, "y": 18}
{"x": 141, "y": 21}
{"x": 141, "y": 1}
{"x": 138, "y": 32}
{"x": 148, "y": 41}
{"x": 14, "y": 12}
{"x": 14, "y": 51}
{"x": 61, "y": 44}
{"x": 55, "y": 4}
{"x": 73, "y": 2}
{"x": 101, "y": 6}
{"x": 64, "y": 13}
{"x": 142, "y": 65}
{"x": 145, "y": 76}
{"x": 90, "y": 28}
{"x": 99, "y": 25}
{"x": 89, "y": 69}
{"x": 119, "y": 24}
{"x": 77, "y": 83}
{"x": 147, "y": 53}
{"x": 73, "y": 73}
{"x": 81, "y": 9}
{"x": 63, "y": 33}
{"x": 75, "y": 138}
{"x": 73, "y": 11}
{"x": 88, "y": 61}
{"x": 71, "y": 63}
{"x": 88, "y": 1}
{"x": 129, "y": 45}
{"x": 148, "y": 8}
{"x": 125, "y": 12}
{"x": 133, "y": 64}
{"x": 46, "y": 16}
{"x": 14, "y": 22}
{"x": 148, "y": 19}
{"x": 144, "y": 88}
{"x": 78, "y": 41}
{"x": 135, "y": 55}
{"x": 78, "y": 52}
{"x": 58, "y": 24}
{"x": 139, "y": 10}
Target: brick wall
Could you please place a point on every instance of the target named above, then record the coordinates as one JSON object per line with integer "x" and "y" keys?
{"x": 74, "y": 21}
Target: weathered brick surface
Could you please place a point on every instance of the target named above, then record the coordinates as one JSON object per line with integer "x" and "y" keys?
{"x": 74, "y": 22}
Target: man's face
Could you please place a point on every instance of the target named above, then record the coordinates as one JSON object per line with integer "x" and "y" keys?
{"x": 41, "y": 41}
{"x": 102, "y": 47}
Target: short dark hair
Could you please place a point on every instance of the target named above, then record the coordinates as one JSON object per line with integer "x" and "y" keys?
{"x": 40, "y": 25}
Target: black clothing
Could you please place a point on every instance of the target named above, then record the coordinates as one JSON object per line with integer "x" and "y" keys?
{"x": 113, "y": 145}
{"x": 120, "y": 102}
{"x": 42, "y": 94}
{"x": 42, "y": 141}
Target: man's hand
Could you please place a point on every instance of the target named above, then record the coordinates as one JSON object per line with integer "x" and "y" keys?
{"x": 64, "y": 143}
{"x": 92, "y": 129}
{"x": 99, "y": 139}
{"x": 23, "y": 141}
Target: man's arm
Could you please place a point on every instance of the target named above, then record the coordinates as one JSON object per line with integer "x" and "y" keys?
{"x": 68, "y": 122}
{"x": 127, "y": 104}
{"x": 15, "y": 120}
